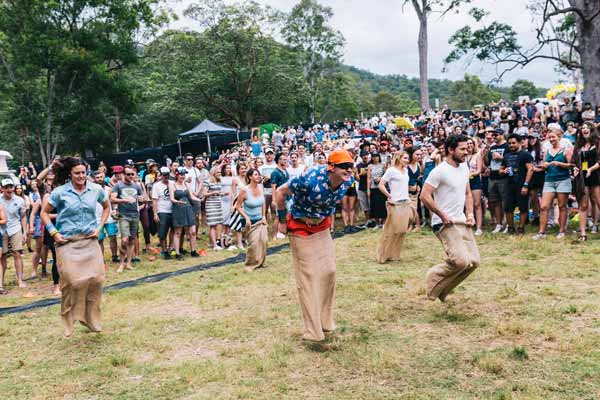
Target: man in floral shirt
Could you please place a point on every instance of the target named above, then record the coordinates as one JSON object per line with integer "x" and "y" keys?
{"x": 314, "y": 197}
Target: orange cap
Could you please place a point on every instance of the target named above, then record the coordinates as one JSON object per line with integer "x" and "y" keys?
{"x": 338, "y": 157}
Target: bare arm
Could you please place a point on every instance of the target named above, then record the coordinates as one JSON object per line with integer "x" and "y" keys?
{"x": 469, "y": 206}
{"x": 383, "y": 189}
{"x": 3, "y": 219}
{"x": 427, "y": 199}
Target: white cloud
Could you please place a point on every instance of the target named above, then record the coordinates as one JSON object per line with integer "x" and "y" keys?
{"x": 381, "y": 37}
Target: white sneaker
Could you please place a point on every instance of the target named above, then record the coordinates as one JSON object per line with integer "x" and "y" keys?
{"x": 478, "y": 232}
{"x": 594, "y": 228}
{"x": 241, "y": 247}
{"x": 232, "y": 247}
{"x": 279, "y": 236}
{"x": 539, "y": 236}
{"x": 505, "y": 229}
{"x": 498, "y": 229}
{"x": 560, "y": 235}
{"x": 217, "y": 248}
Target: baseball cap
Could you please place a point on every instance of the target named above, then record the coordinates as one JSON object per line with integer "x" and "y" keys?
{"x": 129, "y": 162}
{"x": 164, "y": 171}
{"x": 384, "y": 142}
{"x": 269, "y": 150}
{"x": 117, "y": 169}
{"x": 7, "y": 182}
{"x": 338, "y": 157}
{"x": 150, "y": 161}
{"x": 556, "y": 126}
{"x": 181, "y": 171}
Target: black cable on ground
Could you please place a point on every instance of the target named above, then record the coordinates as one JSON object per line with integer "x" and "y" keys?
{"x": 149, "y": 279}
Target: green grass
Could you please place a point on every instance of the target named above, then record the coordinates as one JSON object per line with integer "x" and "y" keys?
{"x": 523, "y": 326}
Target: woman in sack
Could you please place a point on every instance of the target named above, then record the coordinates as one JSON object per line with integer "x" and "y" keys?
{"x": 251, "y": 206}
{"x": 75, "y": 235}
{"x": 401, "y": 214}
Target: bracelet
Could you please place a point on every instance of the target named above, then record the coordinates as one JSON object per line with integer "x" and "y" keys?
{"x": 53, "y": 232}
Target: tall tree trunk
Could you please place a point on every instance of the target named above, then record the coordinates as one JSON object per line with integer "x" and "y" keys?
{"x": 589, "y": 50}
{"x": 117, "y": 130}
{"x": 423, "y": 51}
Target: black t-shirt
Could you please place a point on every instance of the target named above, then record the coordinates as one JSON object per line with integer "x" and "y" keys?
{"x": 362, "y": 182}
{"x": 517, "y": 162}
{"x": 496, "y": 164}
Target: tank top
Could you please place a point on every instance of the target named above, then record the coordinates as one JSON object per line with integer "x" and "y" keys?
{"x": 556, "y": 174}
{"x": 588, "y": 158}
{"x": 253, "y": 204}
{"x": 182, "y": 195}
{"x": 413, "y": 176}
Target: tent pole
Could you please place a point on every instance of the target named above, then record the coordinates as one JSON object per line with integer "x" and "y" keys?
{"x": 237, "y": 133}
{"x": 209, "y": 149}
{"x": 179, "y": 145}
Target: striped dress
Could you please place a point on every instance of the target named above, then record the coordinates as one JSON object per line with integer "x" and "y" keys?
{"x": 214, "y": 206}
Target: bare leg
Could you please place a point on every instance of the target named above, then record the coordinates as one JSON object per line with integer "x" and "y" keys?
{"x": 123, "y": 253}
{"x": 562, "y": 211}
{"x": 477, "y": 207}
{"x": 19, "y": 268}
{"x": 547, "y": 199}
{"x": 583, "y": 213}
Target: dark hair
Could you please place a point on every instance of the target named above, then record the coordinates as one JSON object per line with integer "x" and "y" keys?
{"x": 62, "y": 168}
{"x": 452, "y": 141}
{"x": 411, "y": 151}
{"x": 580, "y": 140}
{"x": 515, "y": 136}
{"x": 186, "y": 155}
{"x": 277, "y": 157}
{"x": 537, "y": 147}
{"x": 251, "y": 172}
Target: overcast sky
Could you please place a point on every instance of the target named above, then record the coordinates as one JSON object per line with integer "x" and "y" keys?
{"x": 381, "y": 38}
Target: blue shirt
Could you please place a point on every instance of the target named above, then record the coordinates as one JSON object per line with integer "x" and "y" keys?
{"x": 76, "y": 212}
{"x": 312, "y": 195}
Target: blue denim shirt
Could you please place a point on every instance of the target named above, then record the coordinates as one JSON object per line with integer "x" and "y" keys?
{"x": 75, "y": 212}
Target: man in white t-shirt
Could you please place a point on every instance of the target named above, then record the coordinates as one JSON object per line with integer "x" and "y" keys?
{"x": 163, "y": 207}
{"x": 447, "y": 194}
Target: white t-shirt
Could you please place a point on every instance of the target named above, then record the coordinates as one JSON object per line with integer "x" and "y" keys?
{"x": 100, "y": 209}
{"x": 450, "y": 184}
{"x": 196, "y": 177}
{"x": 295, "y": 172}
{"x": 160, "y": 192}
{"x": 564, "y": 144}
{"x": 398, "y": 183}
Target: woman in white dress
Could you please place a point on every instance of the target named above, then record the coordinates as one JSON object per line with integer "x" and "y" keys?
{"x": 226, "y": 187}
{"x": 238, "y": 183}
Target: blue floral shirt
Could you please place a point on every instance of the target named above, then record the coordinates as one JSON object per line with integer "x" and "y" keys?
{"x": 312, "y": 196}
{"x": 76, "y": 213}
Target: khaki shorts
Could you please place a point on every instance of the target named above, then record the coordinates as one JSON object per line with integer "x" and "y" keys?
{"x": 12, "y": 243}
{"x": 128, "y": 227}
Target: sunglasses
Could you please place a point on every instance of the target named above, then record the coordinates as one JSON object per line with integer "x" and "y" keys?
{"x": 189, "y": 159}
{"x": 346, "y": 165}
{"x": 130, "y": 174}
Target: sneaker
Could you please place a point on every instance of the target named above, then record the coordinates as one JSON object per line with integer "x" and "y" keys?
{"x": 510, "y": 230}
{"x": 560, "y": 235}
{"x": 241, "y": 247}
{"x": 520, "y": 231}
{"x": 539, "y": 236}
{"x": 279, "y": 235}
{"x": 194, "y": 254}
{"x": 116, "y": 259}
{"x": 166, "y": 256}
{"x": 590, "y": 223}
{"x": 217, "y": 248}
{"x": 183, "y": 251}
{"x": 173, "y": 253}
{"x": 135, "y": 260}
{"x": 478, "y": 232}
{"x": 233, "y": 247}
{"x": 179, "y": 257}
{"x": 498, "y": 229}
{"x": 594, "y": 229}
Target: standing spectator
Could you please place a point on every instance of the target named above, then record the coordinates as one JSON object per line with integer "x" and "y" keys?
{"x": 214, "y": 208}
{"x": 279, "y": 177}
{"x": 295, "y": 169}
{"x": 110, "y": 229}
{"x": 181, "y": 196}
{"x": 585, "y": 158}
{"x": 363, "y": 187}
{"x": 518, "y": 167}
{"x": 537, "y": 180}
{"x": 236, "y": 222}
{"x": 475, "y": 164}
{"x": 557, "y": 164}
{"x": 266, "y": 170}
{"x": 376, "y": 198}
{"x": 13, "y": 237}
{"x": 35, "y": 228}
{"x": 226, "y": 186}
{"x": 127, "y": 195}
{"x": 497, "y": 182}
{"x": 163, "y": 209}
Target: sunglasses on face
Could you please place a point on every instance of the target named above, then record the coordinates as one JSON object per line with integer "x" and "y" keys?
{"x": 130, "y": 174}
{"x": 189, "y": 159}
{"x": 345, "y": 165}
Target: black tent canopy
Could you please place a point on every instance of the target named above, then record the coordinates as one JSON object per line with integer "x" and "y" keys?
{"x": 206, "y": 127}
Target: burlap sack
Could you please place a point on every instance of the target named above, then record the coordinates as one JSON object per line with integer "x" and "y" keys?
{"x": 462, "y": 257}
{"x": 314, "y": 269}
{"x": 81, "y": 269}
{"x": 258, "y": 236}
{"x": 401, "y": 216}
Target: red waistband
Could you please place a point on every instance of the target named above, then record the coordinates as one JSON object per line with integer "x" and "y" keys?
{"x": 300, "y": 228}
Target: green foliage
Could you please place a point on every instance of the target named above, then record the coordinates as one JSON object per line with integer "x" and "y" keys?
{"x": 523, "y": 87}
{"x": 471, "y": 91}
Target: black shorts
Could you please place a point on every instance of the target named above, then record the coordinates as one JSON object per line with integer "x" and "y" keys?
{"x": 351, "y": 192}
{"x": 475, "y": 183}
{"x": 537, "y": 180}
{"x": 164, "y": 224}
{"x": 513, "y": 199}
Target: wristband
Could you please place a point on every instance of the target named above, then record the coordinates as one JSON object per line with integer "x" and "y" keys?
{"x": 526, "y": 184}
{"x": 282, "y": 215}
{"x": 53, "y": 232}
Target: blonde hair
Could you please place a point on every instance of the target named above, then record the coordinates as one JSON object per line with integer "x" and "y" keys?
{"x": 397, "y": 157}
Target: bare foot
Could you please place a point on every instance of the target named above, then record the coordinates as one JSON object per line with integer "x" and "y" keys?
{"x": 130, "y": 268}
{"x": 120, "y": 268}
{"x": 34, "y": 275}
{"x": 57, "y": 291}
{"x": 22, "y": 285}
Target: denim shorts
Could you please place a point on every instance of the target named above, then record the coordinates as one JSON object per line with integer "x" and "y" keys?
{"x": 563, "y": 186}
{"x": 109, "y": 230}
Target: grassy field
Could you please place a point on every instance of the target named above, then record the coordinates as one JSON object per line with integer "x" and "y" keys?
{"x": 526, "y": 325}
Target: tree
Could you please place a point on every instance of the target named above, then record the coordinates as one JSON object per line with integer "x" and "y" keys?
{"x": 567, "y": 32}
{"x": 54, "y": 52}
{"x": 424, "y": 9}
{"x": 466, "y": 93}
{"x": 523, "y": 87}
{"x": 385, "y": 101}
{"x": 319, "y": 45}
